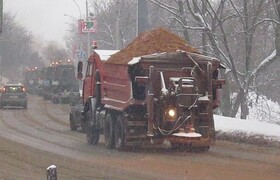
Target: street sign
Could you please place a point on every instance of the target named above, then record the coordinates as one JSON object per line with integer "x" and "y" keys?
{"x": 87, "y": 26}
{"x": 80, "y": 54}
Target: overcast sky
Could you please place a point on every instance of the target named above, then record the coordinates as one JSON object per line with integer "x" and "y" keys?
{"x": 45, "y": 18}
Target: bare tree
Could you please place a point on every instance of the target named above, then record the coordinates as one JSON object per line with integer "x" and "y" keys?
{"x": 231, "y": 29}
{"x": 16, "y": 48}
{"x": 107, "y": 15}
{"x": 54, "y": 53}
{"x": 239, "y": 32}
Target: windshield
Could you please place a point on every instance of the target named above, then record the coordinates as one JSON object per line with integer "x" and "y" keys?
{"x": 14, "y": 89}
{"x": 65, "y": 72}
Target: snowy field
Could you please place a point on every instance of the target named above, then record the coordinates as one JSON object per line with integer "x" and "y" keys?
{"x": 250, "y": 127}
{"x": 263, "y": 120}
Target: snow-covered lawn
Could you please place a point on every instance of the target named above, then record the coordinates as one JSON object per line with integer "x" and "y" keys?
{"x": 263, "y": 120}
{"x": 250, "y": 127}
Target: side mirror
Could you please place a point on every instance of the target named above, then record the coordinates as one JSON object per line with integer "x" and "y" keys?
{"x": 80, "y": 70}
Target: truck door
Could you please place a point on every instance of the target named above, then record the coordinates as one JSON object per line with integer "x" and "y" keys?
{"x": 88, "y": 85}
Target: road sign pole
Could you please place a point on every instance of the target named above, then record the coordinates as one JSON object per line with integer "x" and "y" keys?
{"x": 1, "y": 15}
{"x": 88, "y": 37}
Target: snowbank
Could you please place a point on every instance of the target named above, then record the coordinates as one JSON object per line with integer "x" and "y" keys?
{"x": 229, "y": 125}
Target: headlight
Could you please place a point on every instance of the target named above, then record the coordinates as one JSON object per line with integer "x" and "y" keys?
{"x": 171, "y": 114}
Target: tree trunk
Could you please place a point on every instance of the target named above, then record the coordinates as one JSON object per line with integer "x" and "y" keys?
{"x": 225, "y": 98}
{"x": 277, "y": 33}
{"x": 244, "y": 107}
{"x": 238, "y": 101}
{"x": 183, "y": 19}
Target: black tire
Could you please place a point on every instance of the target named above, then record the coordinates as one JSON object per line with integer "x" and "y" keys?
{"x": 109, "y": 131}
{"x": 158, "y": 141}
{"x": 92, "y": 129}
{"x": 120, "y": 134}
{"x": 203, "y": 148}
{"x": 73, "y": 126}
{"x": 25, "y": 106}
{"x": 174, "y": 145}
{"x": 180, "y": 146}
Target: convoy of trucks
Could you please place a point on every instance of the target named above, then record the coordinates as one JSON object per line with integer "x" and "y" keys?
{"x": 150, "y": 98}
{"x": 56, "y": 82}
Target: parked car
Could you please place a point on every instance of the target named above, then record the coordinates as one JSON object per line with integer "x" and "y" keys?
{"x": 13, "y": 95}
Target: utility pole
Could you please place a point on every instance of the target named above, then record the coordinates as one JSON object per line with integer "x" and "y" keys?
{"x": 88, "y": 34}
{"x": 142, "y": 16}
{"x": 1, "y": 69}
{"x": 1, "y": 21}
{"x": 78, "y": 8}
{"x": 1, "y": 15}
{"x": 118, "y": 43}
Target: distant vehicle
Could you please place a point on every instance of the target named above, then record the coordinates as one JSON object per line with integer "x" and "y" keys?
{"x": 31, "y": 78}
{"x": 13, "y": 95}
{"x": 58, "y": 81}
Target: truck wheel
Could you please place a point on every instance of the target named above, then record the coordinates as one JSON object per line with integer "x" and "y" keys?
{"x": 179, "y": 146}
{"x": 92, "y": 129}
{"x": 203, "y": 148}
{"x": 119, "y": 134}
{"x": 83, "y": 125}
{"x": 109, "y": 132}
{"x": 73, "y": 126}
{"x": 157, "y": 141}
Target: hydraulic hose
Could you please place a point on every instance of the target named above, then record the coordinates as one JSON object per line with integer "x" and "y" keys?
{"x": 166, "y": 133}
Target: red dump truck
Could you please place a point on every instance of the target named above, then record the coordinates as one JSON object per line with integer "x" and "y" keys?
{"x": 152, "y": 98}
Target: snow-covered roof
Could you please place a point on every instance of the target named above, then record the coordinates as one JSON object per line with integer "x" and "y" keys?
{"x": 105, "y": 54}
{"x": 134, "y": 60}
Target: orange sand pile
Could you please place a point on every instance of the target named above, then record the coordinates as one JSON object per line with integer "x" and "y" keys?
{"x": 155, "y": 41}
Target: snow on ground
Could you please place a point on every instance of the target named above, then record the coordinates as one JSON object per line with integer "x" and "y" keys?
{"x": 250, "y": 127}
{"x": 263, "y": 119}
{"x": 263, "y": 109}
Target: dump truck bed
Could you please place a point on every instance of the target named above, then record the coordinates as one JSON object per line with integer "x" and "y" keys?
{"x": 117, "y": 80}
